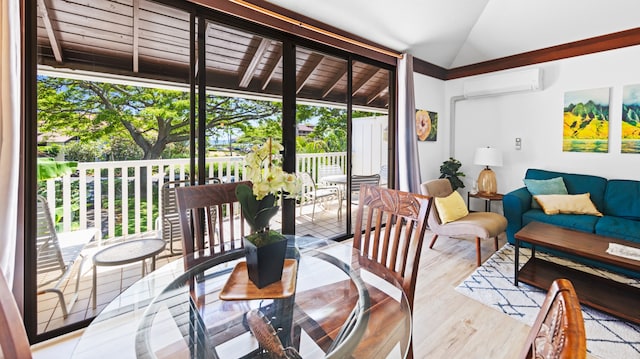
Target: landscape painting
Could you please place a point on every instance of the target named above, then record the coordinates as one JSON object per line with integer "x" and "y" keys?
{"x": 426, "y": 125}
{"x": 630, "y": 119}
{"x": 586, "y": 121}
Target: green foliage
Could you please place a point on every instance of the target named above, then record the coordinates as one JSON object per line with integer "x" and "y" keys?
{"x": 450, "y": 170}
{"x": 82, "y": 151}
{"x": 151, "y": 118}
{"x": 257, "y": 213}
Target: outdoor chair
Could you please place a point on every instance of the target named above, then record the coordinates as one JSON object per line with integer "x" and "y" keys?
{"x": 56, "y": 254}
{"x": 394, "y": 224}
{"x": 481, "y": 225}
{"x": 318, "y": 193}
{"x": 201, "y": 207}
{"x": 14, "y": 342}
{"x": 558, "y": 331}
{"x": 169, "y": 217}
{"x": 358, "y": 180}
{"x": 327, "y": 171}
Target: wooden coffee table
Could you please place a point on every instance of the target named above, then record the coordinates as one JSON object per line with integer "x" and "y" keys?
{"x": 604, "y": 294}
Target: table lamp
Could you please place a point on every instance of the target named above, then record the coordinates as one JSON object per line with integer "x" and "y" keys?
{"x": 487, "y": 156}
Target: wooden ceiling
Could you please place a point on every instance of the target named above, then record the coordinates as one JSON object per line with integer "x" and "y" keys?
{"x": 143, "y": 39}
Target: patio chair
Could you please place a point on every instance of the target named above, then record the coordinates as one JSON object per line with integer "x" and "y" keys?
{"x": 558, "y": 331}
{"x": 394, "y": 225}
{"x": 358, "y": 180}
{"x": 170, "y": 219}
{"x": 198, "y": 207}
{"x": 57, "y": 252}
{"x": 317, "y": 193}
{"x": 327, "y": 171}
{"x": 14, "y": 342}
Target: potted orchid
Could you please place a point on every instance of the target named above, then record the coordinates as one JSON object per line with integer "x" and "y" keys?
{"x": 264, "y": 248}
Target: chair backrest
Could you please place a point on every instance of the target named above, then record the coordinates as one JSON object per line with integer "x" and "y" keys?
{"x": 49, "y": 256}
{"x": 436, "y": 188}
{"x": 14, "y": 342}
{"x": 329, "y": 170}
{"x": 394, "y": 224}
{"x": 558, "y": 331}
{"x": 202, "y": 206}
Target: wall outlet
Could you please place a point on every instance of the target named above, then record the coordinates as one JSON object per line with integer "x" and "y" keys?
{"x": 518, "y": 143}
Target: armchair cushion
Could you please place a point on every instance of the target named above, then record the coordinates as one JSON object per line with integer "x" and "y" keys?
{"x": 451, "y": 207}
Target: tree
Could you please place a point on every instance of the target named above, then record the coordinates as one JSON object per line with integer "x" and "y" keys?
{"x": 153, "y": 118}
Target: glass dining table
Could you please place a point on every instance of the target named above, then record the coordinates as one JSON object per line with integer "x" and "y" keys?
{"x": 340, "y": 304}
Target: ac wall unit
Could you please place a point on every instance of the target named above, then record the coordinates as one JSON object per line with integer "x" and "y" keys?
{"x": 504, "y": 83}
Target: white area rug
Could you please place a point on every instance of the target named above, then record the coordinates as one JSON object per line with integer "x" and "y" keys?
{"x": 492, "y": 284}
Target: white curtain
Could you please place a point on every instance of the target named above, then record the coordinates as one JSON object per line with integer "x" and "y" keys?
{"x": 9, "y": 133}
{"x": 408, "y": 163}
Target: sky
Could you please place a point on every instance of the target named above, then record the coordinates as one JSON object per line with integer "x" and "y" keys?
{"x": 599, "y": 96}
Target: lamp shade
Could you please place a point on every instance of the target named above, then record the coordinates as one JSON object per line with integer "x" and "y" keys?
{"x": 487, "y": 156}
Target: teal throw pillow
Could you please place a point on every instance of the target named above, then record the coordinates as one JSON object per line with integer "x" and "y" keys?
{"x": 550, "y": 186}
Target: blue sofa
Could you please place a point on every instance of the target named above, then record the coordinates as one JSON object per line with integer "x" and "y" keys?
{"x": 617, "y": 200}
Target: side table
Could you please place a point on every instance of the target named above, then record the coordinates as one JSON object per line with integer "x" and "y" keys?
{"x": 125, "y": 253}
{"x": 487, "y": 197}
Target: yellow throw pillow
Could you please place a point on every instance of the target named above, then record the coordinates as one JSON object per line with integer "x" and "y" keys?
{"x": 451, "y": 208}
{"x": 567, "y": 203}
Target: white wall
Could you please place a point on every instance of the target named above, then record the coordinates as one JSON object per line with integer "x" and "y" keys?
{"x": 536, "y": 117}
{"x": 430, "y": 96}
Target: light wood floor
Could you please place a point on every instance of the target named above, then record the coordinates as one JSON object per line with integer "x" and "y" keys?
{"x": 447, "y": 324}
{"x": 450, "y": 325}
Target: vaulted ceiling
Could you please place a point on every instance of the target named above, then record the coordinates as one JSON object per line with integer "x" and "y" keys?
{"x": 454, "y": 33}
{"x": 144, "y": 39}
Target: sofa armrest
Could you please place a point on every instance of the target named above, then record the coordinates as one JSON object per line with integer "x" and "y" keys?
{"x": 515, "y": 203}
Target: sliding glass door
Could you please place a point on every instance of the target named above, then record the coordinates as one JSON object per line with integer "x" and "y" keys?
{"x": 149, "y": 95}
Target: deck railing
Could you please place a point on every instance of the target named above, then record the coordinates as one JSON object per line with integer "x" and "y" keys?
{"x": 126, "y": 193}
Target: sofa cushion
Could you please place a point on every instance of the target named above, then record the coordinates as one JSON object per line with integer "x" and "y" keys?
{"x": 579, "y": 222}
{"x": 567, "y": 203}
{"x": 622, "y": 199}
{"x": 548, "y": 186}
{"x": 576, "y": 184}
{"x": 617, "y": 227}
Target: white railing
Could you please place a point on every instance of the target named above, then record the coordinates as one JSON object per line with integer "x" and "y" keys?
{"x": 124, "y": 184}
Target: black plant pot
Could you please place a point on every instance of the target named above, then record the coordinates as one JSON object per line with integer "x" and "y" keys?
{"x": 265, "y": 263}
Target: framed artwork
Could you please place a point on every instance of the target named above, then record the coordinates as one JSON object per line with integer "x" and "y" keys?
{"x": 426, "y": 125}
{"x": 630, "y": 134}
{"x": 586, "y": 121}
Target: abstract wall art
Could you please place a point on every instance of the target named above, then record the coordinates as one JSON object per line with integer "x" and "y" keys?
{"x": 426, "y": 125}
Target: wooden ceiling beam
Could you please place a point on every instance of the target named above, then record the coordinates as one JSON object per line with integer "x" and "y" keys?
{"x": 377, "y": 94}
{"x": 364, "y": 81}
{"x": 271, "y": 71}
{"x": 336, "y": 80}
{"x": 256, "y": 58}
{"x": 312, "y": 64}
{"x": 136, "y": 34}
{"x": 48, "y": 25}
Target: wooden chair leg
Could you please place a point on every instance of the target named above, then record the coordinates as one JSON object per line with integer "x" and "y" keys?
{"x": 478, "y": 254}
{"x": 433, "y": 241}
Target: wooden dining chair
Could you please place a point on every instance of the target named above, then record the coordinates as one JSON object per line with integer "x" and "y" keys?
{"x": 394, "y": 224}
{"x": 14, "y": 342}
{"x": 558, "y": 331}
{"x": 200, "y": 207}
